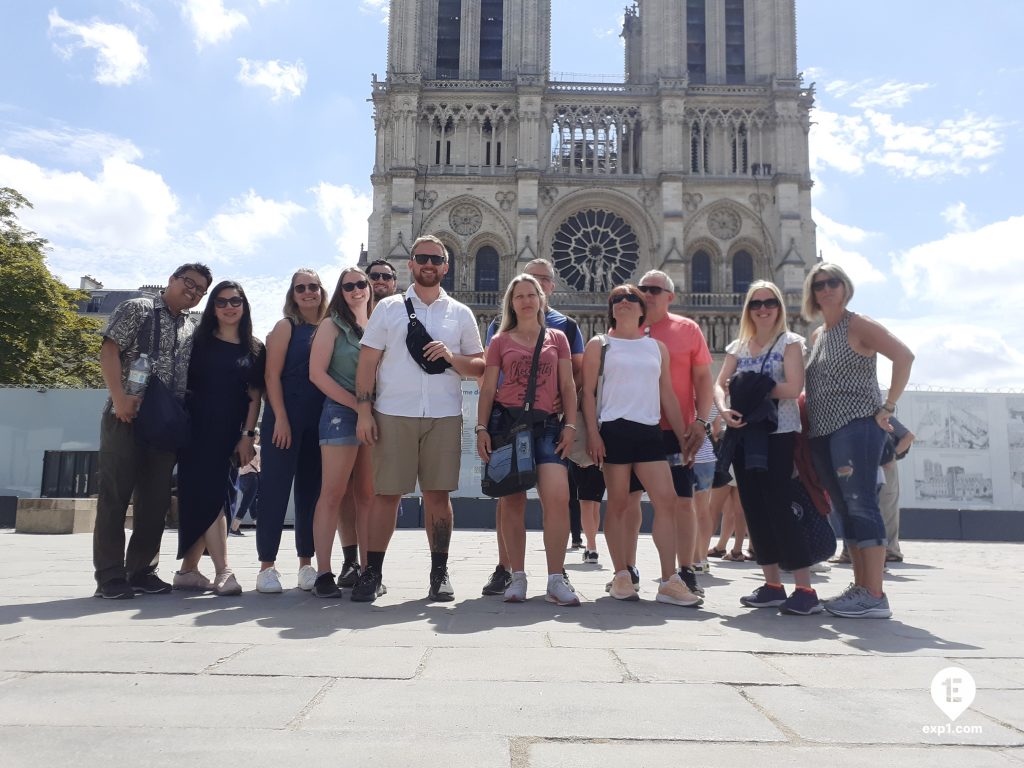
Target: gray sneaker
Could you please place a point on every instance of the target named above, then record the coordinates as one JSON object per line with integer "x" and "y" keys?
{"x": 860, "y": 604}
{"x": 850, "y": 588}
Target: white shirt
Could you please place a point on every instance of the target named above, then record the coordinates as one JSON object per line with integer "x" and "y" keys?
{"x": 403, "y": 389}
{"x": 632, "y": 381}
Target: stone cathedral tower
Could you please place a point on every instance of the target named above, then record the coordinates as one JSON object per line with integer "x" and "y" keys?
{"x": 695, "y": 162}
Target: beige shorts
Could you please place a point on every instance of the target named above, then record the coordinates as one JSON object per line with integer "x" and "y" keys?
{"x": 410, "y": 447}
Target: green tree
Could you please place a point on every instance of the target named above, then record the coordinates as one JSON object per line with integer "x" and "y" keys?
{"x": 43, "y": 339}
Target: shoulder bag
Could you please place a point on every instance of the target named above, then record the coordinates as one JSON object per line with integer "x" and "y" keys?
{"x": 578, "y": 455}
{"x": 513, "y": 467}
{"x": 162, "y": 422}
{"x": 416, "y": 338}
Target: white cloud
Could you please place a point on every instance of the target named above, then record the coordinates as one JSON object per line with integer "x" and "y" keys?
{"x": 868, "y": 94}
{"x": 344, "y": 211}
{"x": 73, "y": 145}
{"x": 280, "y": 77}
{"x": 249, "y": 221}
{"x": 977, "y": 271}
{"x": 120, "y": 57}
{"x": 833, "y": 240}
{"x": 381, "y": 7}
{"x": 839, "y": 141}
{"x": 211, "y": 22}
{"x": 956, "y": 215}
{"x": 124, "y": 207}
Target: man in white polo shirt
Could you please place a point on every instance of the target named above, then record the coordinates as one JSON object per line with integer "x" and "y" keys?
{"x": 415, "y": 424}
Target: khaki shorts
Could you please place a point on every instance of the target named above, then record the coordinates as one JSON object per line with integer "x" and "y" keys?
{"x": 410, "y": 447}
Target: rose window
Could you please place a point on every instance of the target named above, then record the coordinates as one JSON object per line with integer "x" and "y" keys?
{"x": 595, "y": 250}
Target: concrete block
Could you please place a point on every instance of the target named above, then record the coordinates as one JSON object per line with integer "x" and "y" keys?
{"x": 523, "y": 664}
{"x": 324, "y": 659}
{"x": 56, "y": 515}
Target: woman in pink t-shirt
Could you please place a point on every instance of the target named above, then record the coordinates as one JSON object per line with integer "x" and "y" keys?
{"x": 509, "y": 360}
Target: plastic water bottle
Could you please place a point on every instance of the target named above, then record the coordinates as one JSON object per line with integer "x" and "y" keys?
{"x": 138, "y": 376}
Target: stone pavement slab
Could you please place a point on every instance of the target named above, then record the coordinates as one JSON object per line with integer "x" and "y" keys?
{"x": 291, "y": 680}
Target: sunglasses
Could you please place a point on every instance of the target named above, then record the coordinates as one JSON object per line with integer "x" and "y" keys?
{"x": 423, "y": 258}
{"x": 234, "y": 301}
{"x": 632, "y": 298}
{"x": 193, "y": 286}
{"x": 312, "y": 287}
{"x": 832, "y": 282}
{"x": 654, "y": 290}
{"x": 381, "y": 276}
{"x": 756, "y": 304}
{"x": 349, "y": 287}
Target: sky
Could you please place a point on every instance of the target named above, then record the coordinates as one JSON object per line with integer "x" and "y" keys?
{"x": 238, "y": 133}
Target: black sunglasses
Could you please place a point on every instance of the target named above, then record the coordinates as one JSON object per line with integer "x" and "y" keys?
{"x": 423, "y": 258}
{"x": 381, "y": 276}
{"x": 632, "y": 298}
{"x": 192, "y": 285}
{"x": 313, "y": 287}
{"x": 234, "y": 301}
{"x": 654, "y": 290}
{"x": 349, "y": 287}
{"x": 756, "y": 304}
{"x": 832, "y": 282}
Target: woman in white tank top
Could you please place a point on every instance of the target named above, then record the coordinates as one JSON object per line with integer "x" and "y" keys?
{"x": 636, "y": 386}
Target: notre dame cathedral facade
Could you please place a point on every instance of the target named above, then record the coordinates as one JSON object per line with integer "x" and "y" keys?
{"x": 695, "y": 162}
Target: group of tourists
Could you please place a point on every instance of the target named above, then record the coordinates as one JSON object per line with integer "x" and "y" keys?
{"x": 363, "y": 401}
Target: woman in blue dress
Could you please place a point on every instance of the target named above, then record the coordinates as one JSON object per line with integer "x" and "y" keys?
{"x": 225, "y": 379}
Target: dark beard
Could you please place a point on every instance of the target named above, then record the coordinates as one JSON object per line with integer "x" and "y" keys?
{"x": 418, "y": 277}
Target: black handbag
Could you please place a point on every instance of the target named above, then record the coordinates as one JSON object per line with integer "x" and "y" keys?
{"x": 416, "y": 338}
{"x": 162, "y": 422}
{"x": 513, "y": 466}
{"x": 820, "y": 538}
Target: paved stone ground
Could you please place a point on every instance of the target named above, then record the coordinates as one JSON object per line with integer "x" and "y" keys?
{"x": 291, "y": 680}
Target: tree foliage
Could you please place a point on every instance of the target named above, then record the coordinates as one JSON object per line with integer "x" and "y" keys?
{"x": 43, "y": 339}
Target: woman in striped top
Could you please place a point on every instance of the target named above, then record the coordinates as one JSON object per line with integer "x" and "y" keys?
{"x": 848, "y": 423}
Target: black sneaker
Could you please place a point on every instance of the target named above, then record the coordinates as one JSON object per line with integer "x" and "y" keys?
{"x": 349, "y": 576}
{"x": 149, "y": 584}
{"x": 369, "y": 587}
{"x": 440, "y": 586}
{"x": 498, "y": 582}
{"x": 690, "y": 580}
{"x": 577, "y": 543}
{"x": 324, "y": 586}
{"x": 235, "y": 532}
{"x": 115, "y": 589}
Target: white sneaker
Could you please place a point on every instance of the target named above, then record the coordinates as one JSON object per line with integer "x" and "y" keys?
{"x": 560, "y": 591}
{"x": 269, "y": 582}
{"x": 516, "y": 591}
{"x": 820, "y": 568}
{"x": 307, "y": 578}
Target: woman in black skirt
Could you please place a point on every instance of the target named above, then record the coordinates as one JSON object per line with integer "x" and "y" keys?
{"x": 224, "y": 387}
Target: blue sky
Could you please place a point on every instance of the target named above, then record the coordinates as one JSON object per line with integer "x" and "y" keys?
{"x": 237, "y": 132}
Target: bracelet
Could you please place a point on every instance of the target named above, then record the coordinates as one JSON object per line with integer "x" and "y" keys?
{"x": 702, "y": 421}
{"x": 569, "y": 426}
{"x": 888, "y": 406}
{"x": 480, "y": 428}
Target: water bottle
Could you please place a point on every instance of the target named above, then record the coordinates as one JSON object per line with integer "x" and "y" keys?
{"x": 138, "y": 376}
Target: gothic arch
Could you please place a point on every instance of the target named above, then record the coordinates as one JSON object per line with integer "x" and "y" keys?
{"x": 439, "y": 218}
{"x": 759, "y": 267}
{"x": 506, "y": 257}
{"x": 714, "y": 252}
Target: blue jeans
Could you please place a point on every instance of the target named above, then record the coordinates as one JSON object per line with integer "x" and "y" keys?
{"x": 544, "y": 441}
{"x": 847, "y": 464}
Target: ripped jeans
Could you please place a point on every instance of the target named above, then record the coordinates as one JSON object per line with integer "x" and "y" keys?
{"x": 847, "y": 464}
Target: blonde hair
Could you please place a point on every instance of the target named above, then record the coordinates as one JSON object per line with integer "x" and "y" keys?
{"x": 747, "y": 329}
{"x": 508, "y": 314}
{"x": 810, "y": 308}
{"x": 291, "y": 307}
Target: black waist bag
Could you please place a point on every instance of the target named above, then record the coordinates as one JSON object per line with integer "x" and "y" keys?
{"x": 162, "y": 421}
{"x": 416, "y": 338}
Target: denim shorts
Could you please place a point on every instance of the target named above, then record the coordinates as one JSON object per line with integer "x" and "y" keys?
{"x": 337, "y": 425}
{"x": 703, "y": 476}
{"x": 544, "y": 439}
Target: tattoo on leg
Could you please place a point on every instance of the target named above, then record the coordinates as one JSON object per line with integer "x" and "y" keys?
{"x": 442, "y": 535}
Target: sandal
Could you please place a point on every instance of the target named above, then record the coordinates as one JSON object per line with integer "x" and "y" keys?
{"x": 716, "y": 552}
{"x": 736, "y": 556}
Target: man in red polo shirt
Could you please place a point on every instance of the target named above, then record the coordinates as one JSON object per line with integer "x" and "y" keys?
{"x": 690, "y": 365}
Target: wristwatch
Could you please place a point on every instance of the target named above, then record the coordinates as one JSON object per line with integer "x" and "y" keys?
{"x": 479, "y": 428}
{"x": 249, "y": 433}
